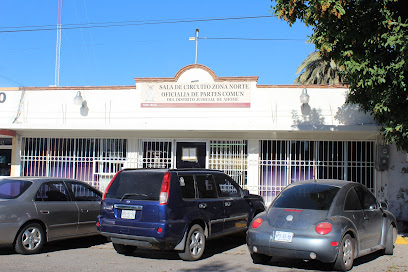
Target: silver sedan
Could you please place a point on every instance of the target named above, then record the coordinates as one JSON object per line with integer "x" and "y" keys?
{"x": 34, "y": 210}
{"x": 331, "y": 221}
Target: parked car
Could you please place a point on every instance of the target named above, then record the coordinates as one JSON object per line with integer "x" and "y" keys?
{"x": 34, "y": 210}
{"x": 175, "y": 209}
{"x": 331, "y": 221}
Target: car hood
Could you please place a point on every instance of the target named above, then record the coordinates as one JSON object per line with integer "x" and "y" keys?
{"x": 295, "y": 219}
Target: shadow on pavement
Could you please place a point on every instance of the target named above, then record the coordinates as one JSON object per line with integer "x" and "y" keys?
{"x": 83, "y": 242}
{"x": 316, "y": 265}
{"x": 67, "y": 244}
{"x": 213, "y": 247}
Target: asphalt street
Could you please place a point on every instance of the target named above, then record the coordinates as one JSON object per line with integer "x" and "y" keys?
{"x": 225, "y": 254}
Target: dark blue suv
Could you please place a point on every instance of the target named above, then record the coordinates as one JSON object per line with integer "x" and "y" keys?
{"x": 177, "y": 209}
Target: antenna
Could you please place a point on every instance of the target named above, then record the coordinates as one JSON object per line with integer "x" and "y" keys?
{"x": 58, "y": 49}
{"x": 195, "y": 39}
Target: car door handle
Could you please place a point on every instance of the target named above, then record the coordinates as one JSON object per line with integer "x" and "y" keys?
{"x": 84, "y": 211}
{"x": 44, "y": 212}
{"x": 227, "y": 204}
{"x": 366, "y": 218}
{"x": 202, "y": 205}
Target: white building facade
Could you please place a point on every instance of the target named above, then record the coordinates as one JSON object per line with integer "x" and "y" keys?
{"x": 261, "y": 135}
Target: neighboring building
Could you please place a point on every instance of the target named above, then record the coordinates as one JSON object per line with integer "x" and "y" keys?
{"x": 262, "y": 135}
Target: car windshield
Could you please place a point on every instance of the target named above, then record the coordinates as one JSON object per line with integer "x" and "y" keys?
{"x": 139, "y": 185}
{"x": 10, "y": 189}
{"x": 311, "y": 196}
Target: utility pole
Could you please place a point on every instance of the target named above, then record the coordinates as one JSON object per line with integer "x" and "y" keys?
{"x": 58, "y": 49}
{"x": 196, "y": 40}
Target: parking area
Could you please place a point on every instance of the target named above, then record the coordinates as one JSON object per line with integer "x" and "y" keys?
{"x": 225, "y": 254}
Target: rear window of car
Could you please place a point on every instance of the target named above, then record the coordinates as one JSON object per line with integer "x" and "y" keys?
{"x": 307, "y": 196}
{"x": 10, "y": 189}
{"x": 137, "y": 185}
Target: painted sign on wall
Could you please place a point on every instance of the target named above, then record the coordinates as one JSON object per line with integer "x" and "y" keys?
{"x": 196, "y": 94}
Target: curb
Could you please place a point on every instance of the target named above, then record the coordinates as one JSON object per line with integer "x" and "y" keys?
{"x": 402, "y": 240}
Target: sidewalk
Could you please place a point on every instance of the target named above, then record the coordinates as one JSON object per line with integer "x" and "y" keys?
{"x": 402, "y": 239}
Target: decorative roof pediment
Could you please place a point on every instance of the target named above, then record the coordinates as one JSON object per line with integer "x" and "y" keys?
{"x": 195, "y": 73}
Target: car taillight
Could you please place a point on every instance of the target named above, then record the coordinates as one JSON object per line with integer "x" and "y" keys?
{"x": 165, "y": 188}
{"x": 109, "y": 185}
{"x": 256, "y": 223}
{"x": 323, "y": 228}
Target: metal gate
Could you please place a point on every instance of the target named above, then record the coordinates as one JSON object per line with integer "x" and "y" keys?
{"x": 282, "y": 162}
{"x": 225, "y": 155}
{"x": 230, "y": 157}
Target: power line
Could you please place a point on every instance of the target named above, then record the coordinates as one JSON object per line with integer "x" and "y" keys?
{"x": 20, "y": 84}
{"x": 124, "y": 23}
{"x": 250, "y": 39}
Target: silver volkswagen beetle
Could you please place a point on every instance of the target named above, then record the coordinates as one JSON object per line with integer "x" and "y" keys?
{"x": 34, "y": 210}
{"x": 331, "y": 221}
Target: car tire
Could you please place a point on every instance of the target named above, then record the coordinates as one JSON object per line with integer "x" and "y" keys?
{"x": 260, "y": 258}
{"x": 30, "y": 239}
{"x": 345, "y": 255}
{"x": 123, "y": 249}
{"x": 389, "y": 242}
{"x": 195, "y": 244}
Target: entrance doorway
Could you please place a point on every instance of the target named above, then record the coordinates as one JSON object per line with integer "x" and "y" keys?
{"x": 190, "y": 154}
{"x": 5, "y": 162}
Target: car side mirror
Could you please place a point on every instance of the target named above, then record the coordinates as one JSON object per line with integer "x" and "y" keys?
{"x": 245, "y": 192}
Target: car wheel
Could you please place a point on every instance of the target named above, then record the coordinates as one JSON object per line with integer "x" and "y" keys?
{"x": 260, "y": 258}
{"x": 30, "y": 239}
{"x": 123, "y": 249}
{"x": 195, "y": 244}
{"x": 389, "y": 242}
{"x": 345, "y": 255}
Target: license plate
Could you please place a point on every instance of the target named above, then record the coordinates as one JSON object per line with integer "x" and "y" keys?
{"x": 283, "y": 236}
{"x": 128, "y": 214}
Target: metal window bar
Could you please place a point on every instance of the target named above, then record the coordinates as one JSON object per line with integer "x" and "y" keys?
{"x": 231, "y": 157}
{"x": 156, "y": 154}
{"x": 92, "y": 160}
{"x": 282, "y": 162}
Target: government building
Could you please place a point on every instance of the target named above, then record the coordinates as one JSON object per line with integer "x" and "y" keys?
{"x": 264, "y": 136}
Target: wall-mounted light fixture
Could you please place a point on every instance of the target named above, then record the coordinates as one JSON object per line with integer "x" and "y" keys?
{"x": 304, "y": 97}
{"x": 78, "y": 99}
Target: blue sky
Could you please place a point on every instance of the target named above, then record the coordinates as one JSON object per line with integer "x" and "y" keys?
{"x": 105, "y": 56}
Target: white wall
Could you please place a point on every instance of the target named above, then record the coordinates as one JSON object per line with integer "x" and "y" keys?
{"x": 272, "y": 109}
{"x": 394, "y": 186}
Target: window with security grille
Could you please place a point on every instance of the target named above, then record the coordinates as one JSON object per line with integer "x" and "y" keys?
{"x": 282, "y": 162}
{"x": 156, "y": 154}
{"x": 87, "y": 159}
{"x": 230, "y": 157}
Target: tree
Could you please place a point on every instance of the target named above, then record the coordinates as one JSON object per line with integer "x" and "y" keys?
{"x": 315, "y": 70}
{"x": 368, "y": 39}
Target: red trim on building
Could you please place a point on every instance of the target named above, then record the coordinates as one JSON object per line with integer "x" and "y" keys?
{"x": 7, "y": 132}
{"x": 196, "y": 105}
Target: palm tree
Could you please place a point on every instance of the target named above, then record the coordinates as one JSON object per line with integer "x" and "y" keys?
{"x": 315, "y": 70}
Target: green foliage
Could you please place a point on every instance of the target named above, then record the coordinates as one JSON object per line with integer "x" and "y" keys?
{"x": 315, "y": 70}
{"x": 368, "y": 39}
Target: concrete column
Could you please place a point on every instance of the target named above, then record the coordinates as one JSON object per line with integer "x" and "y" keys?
{"x": 253, "y": 167}
{"x": 16, "y": 156}
{"x": 132, "y": 153}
